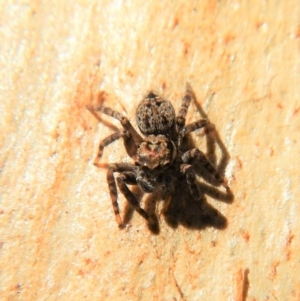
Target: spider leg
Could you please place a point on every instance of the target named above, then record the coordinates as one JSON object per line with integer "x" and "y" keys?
{"x": 185, "y": 130}
{"x": 195, "y": 154}
{"x": 108, "y": 140}
{"x": 191, "y": 179}
{"x": 117, "y": 167}
{"x": 185, "y": 103}
{"x": 199, "y": 124}
{"x": 135, "y": 139}
{"x": 144, "y": 182}
{"x": 128, "y": 178}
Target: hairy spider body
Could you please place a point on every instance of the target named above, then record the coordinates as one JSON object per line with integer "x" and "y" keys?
{"x": 160, "y": 158}
{"x": 155, "y": 115}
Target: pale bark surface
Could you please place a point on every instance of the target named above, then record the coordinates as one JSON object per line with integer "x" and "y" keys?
{"x": 58, "y": 236}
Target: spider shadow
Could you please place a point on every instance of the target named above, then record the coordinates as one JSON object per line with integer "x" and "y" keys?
{"x": 183, "y": 209}
{"x": 180, "y": 208}
{"x": 212, "y": 141}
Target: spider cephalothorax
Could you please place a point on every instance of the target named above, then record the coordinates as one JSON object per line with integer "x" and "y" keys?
{"x": 156, "y": 152}
{"x": 159, "y": 158}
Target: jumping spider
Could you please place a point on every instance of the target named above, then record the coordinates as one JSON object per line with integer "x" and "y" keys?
{"x": 161, "y": 157}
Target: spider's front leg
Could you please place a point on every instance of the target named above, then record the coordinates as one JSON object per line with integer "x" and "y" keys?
{"x": 127, "y": 176}
{"x": 144, "y": 182}
{"x": 130, "y": 178}
{"x": 196, "y": 155}
{"x": 191, "y": 179}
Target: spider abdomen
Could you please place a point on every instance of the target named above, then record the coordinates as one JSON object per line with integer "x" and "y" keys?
{"x": 155, "y": 116}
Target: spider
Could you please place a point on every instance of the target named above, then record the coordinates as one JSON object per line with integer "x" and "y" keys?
{"x": 161, "y": 157}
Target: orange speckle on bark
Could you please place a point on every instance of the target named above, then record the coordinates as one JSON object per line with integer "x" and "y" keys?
{"x": 279, "y": 105}
{"x": 296, "y": 110}
{"x": 239, "y": 162}
{"x": 288, "y": 246}
{"x": 175, "y": 23}
{"x": 246, "y": 236}
{"x": 273, "y": 272}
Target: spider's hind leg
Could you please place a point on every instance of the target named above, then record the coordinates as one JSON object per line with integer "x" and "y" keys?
{"x": 127, "y": 126}
{"x": 199, "y": 124}
{"x": 108, "y": 140}
{"x": 185, "y": 103}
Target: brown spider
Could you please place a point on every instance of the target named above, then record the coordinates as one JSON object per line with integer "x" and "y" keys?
{"x": 161, "y": 157}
